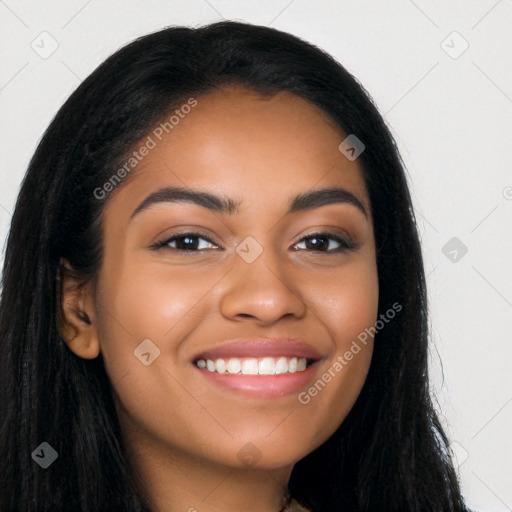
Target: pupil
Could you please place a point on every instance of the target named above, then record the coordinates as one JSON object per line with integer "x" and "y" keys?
{"x": 317, "y": 238}
{"x": 188, "y": 245}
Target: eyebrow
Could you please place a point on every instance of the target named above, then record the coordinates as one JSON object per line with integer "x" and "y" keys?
{"x": 226, "y": 205}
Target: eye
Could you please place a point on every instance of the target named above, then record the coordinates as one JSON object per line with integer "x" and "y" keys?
{"x": 317, "y": 242}
{"x": 320, "y": 241}
{"x": 185, "y": 242}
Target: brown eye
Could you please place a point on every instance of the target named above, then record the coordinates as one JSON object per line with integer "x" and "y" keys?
{"x": 320, "y": 242}
{"x": 185, "y": 242}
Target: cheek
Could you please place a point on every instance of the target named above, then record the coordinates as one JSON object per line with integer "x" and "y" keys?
{"x": 163, "y": 305}
{"x": 140, "y": 302}
{"x": 346, "y": 300}
{"x": 347, "y": 305}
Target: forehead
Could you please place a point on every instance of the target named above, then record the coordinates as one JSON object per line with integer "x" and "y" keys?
{"x": 246, "y": 146}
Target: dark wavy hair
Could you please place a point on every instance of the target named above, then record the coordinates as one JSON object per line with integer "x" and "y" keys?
{"x": 389, "y": 454}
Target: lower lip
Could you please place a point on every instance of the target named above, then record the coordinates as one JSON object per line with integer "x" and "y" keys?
{"x": 264, "y": 386}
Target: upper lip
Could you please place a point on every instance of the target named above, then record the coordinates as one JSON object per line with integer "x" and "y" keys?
{"x": 261, "y": 347}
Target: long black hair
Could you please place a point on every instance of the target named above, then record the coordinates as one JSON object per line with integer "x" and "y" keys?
{"x": 389, "y": 454}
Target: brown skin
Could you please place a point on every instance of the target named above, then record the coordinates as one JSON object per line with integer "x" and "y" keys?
{"x": 182, "y": 434}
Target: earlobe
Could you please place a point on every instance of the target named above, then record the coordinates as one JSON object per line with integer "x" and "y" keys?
{"x": 75, "y": 313}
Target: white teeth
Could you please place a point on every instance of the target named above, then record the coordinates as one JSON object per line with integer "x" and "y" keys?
{"x": 254, "y": 366}
{"x": 281, "y": 366}
{"x": 220, "y": 365}
{"x": 266, "y": 366}
{"x": 250, "y": 367}
{"x": 234, "y": 365}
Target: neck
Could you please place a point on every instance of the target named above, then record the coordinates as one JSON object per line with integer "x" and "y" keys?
{"x": 173, "y": 481}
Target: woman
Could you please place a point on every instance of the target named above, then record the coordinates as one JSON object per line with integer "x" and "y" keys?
{"x": 278, "y": 364}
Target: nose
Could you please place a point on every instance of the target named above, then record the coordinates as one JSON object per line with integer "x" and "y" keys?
{"x": 262, "y": 291}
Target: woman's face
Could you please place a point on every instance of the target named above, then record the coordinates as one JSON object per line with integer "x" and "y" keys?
{"x": 255, "y": 272}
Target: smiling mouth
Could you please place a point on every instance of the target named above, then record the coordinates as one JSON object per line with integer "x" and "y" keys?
{"x": 255, "y": 366}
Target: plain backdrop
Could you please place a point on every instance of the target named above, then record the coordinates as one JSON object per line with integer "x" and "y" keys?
{"x": 439, "y": 72}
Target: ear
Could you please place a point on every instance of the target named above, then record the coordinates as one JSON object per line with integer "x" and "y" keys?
{"x": 75, "y": 312}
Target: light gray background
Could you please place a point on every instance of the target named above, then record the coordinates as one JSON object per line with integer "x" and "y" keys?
{"x": 451, "y": 115}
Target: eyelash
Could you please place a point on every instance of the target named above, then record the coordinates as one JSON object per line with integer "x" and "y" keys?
{"x": 345, "y": 244}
